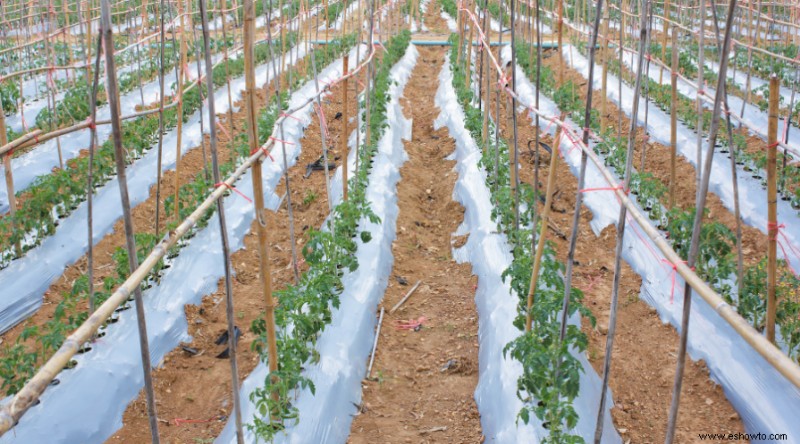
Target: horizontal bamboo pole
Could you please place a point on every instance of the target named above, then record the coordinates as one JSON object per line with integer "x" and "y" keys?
{"x": 11, "y": 146}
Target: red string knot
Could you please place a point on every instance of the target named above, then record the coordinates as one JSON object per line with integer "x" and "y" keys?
{"x": 233, "y": 188}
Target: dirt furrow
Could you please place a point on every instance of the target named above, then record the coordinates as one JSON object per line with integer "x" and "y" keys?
{"x": 423, "y": 379}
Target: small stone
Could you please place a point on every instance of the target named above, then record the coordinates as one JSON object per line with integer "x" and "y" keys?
{"x": 709, "y": 401}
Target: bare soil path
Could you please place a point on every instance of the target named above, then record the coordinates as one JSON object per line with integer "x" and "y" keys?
{"x": 423, "y": 381}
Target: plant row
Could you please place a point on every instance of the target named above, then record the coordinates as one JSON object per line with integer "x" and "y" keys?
{"x": 752, "y": 161}
{"x": 36, "y": 344}
{"x": 716, "y": 260}
{"x": 306, "y": 308}
{"x": 551, "y": 373}
{"x": 54, "y": 197}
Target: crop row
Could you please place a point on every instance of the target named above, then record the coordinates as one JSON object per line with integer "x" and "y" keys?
{"x": 716, "y": 261}
{"x": 551, "y": 373}
{"x": 307, "y": 307}
{"x": 36, "y": 343}
{"x": 752, "y": 161}
{"x": 56, "y": 195}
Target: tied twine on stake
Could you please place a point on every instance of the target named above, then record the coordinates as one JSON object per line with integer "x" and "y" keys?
{"x": 232, "y": 188}
{"x": 778, "y": 228}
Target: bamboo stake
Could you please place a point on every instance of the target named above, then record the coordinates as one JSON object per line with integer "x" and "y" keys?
{"x": 698, "y": 222}
{"x": 699, "y": 100}
{"x": 12, "y": 198}
{"x": 196, "y": 45}
{"x": 323, "y": 129}
{"x": 560, "y": 31}
{"x": 487, "y": 88}
{"x": 621, "y": 224}
{"x": 468, "y": 64}
{"x": 265, "y": 267}
{"x": 90, "y": 178}
{"x": 576, "y": 217}
{"x": 772, "y": 206}
{"x": 673, "y": 137}
{"x": 160, "y": 123}
{"x": 515, "y": 149}
{"x": 88, "y": 39}
{"x": 368, "y": 74}
{"x": 179, "y": 129}
{"x": 405, "y": 298}
{"x": 237, "y": 410}
{"x": 130, "y": 242}
{"x": 345, "y": 134}
{"x": 548, "y": 201}
{"x": 375, "y": 345}
{"x": 51, "y": 99}
{"x": 734, "y": 178}
{"x": 223, "y": 16}
{"x": 604, "y": 59}
{"x": 664, "y": 38}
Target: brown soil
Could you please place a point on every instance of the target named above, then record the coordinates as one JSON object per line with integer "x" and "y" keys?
{"x": 414, "y": 395}
{"x": 642, "y": 385}
{"x": 183, "y": 382}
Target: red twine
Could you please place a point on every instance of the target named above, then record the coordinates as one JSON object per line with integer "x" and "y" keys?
{"x": 621, "y": 186}
{"x": 673, "y": 274}
{"x": 291, "y": 117}
{"x": 231, "y": 187}
{"x": 281, "y": 141}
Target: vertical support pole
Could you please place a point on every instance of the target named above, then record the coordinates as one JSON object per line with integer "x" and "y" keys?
{"x": 488, "y": 87}
{"x": 468, "y": 64}
{"x": 88, "y": 40}
{"x": 181, "y": 75}
{"x": 212, "y": 128}
{"x": 12, "y": 198}
{"x": 673, "y": 134}
{"x": 772, "y": 206}
{"x": 548, "y": 201}
{"x": 664, "y": 26}
{"x": 345, "y": 134}
{"x": 604, "y": 59}
{"x": 559, "y": 30}
{"x": 130, "y": 243}
{"x": 265, "y": 270}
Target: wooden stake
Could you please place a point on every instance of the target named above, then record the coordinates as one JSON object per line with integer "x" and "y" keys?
{"x": 12, "y": 198}
{"x": 487, "y": 88}
{"x": 772, "y": 206}
{"x": 181, "y": 75}
{"x": 212, "y": 127}
{"x": 548, "y": 201}
{"x": 560, "y": 31}
{"x": 405, "y": 298}
{"x": 345, "y": 133}
{"x": 130, "y": 243}
{"x": 604, "y": 59}
{"x": 664, "y": 38}
{"x": 375, "y": 345}
{"x": 702, "y": 195}
{"x": 673, "y": 159}
{"x": 264, "y": 264}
